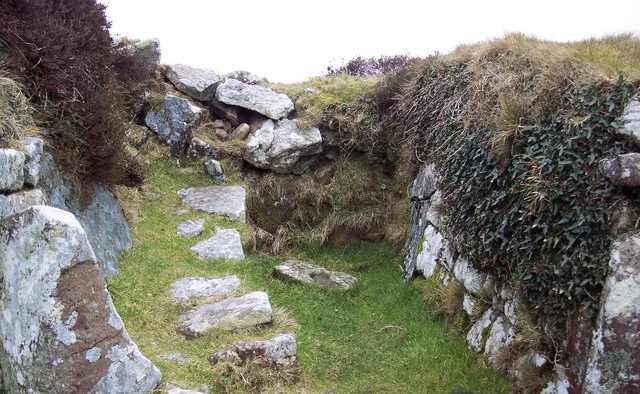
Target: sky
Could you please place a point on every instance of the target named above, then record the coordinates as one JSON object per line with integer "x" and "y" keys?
{"x": 289, "y": 41}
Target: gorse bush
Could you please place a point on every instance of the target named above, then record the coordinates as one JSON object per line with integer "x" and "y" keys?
{"x": 63, "y": 53}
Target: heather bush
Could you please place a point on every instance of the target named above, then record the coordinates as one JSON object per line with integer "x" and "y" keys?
{"x": 373, "y": 66}
{"x": 63, "y": 53}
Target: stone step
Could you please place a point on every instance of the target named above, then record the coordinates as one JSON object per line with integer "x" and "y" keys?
{"x": 303, "y": 272}
{"x": 228, "y": 201}
{"x": 280, "y": 350}
{"x": 230, "y": 314}
{"x": 187, "y": 288}
{"x": 191, "y": 227}
{"x": 225, "y": 244}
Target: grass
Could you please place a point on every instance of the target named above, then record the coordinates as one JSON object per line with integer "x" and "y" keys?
{"x": 374, "y": 338}
{"x": 16, "y": 113}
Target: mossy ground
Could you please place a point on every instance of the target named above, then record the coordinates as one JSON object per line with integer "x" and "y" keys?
{"x": 377, "y": 337}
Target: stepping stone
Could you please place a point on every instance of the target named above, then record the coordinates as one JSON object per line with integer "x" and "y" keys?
{"x": 229, "y": 314}
{"x": 280, "y": 350}
{"x": 191, "y": 227}
{"x": 225, "y": 245}
{"x": 178, "y": 390}
{"x": 299, "y": 271}
{"x": 174, "y": 356}
{"x": 186, "y": 288}
{"x": 228, "y": 201}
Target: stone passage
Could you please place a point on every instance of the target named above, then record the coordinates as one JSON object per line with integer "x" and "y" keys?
{"x": 228, "y": 201}
{"x": 229, "y": 314}
{"x": 302, "y": 272}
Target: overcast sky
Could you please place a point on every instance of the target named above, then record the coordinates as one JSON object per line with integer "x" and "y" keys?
{"x": 290, "y": 41}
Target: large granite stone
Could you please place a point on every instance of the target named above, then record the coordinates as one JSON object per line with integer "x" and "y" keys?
{"x": 476, "y": 333}
{"x": 614, "y": 365}
{"x": 198, "y": 83}
{"x": 230, "y": 314}
{"x": 184, "y": 289}
{"x": 256, "y": 98}
{"x": 300, "y": 271}
{"x": 280, "y": 350}
{"x": 59, "y": 330}
{"x": 225, "y": 244}
{"x": 228, "y": 201}
{"x": 11, "y": 170}
{"x": 278, "y": 146}
{"x": 429, "y": 256}
{"x": 630, "y": 120}
{"x": 172, "y": 122}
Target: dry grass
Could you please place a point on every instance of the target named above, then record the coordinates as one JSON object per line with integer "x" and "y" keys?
{"x": 16, "y": 113}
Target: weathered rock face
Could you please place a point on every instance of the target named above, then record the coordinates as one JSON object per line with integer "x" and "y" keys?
{"x": 299, "y": 271}
{"x": 186, "y": 288}
{"x": 227, "y": 315}
{"x": 101, "y": 215}
{"x": 11, "y": 170}
{"x": 18, "y": 202}
{"x": 59, "y": 330}
{"x": 225, "y": 244}
{"x": 256, "y": 98}
{"x": 614, "y": 365}
{"x": 623, "y": 170}
{"x": 243, "y": 76}
{"x": 279, "y": 146}
{"x": 197, "y": 83}
{"x": 280, "y": 350}
{"x": 172, "y": 122}
{"x": 240, "y": 133}
{"x": 631, "y": 121}
{"x": 228, "y": 201}
{"x": 33, "y": 153}
{"x": 200, "y": 148}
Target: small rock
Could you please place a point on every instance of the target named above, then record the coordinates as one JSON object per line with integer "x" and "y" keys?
{"x": 309, "y": 90}
{"x": 186, "y": 288}
{"x": 425, "y": 183}
{"x": 631, "y": 121}
{"x": 256, "y": 98}
{"x": 240, "y": 133}
{"x": 623, "y": 170}
{"x": 33, "y": 148}
{"x": 191, "y": 227}
{"x": 227, "y": 112}
{"x": 177, "y": 390}
{"x": 472, "y": 279}
{"x": 300, "y": 271}
{"x": 11, "y": 170}
{"x": 469, "y": 304}
{"x": 197, "y": 83}
{"x": 221, "y": 134}
{"x": 432, "y": 247}
{"x": 230, "y": 314}
{"x": 228, "y": 201}
{"x": 213, "y": 168}
{"x": 280, "y": 350}
{"x": 434, "y": 212}
{"x": 201, "y": 148}
{"x": 501, "y": 335}
{"x": 225, "y": 245}
{"x": 174, "y": 356}
{"x": 218, "y": 124}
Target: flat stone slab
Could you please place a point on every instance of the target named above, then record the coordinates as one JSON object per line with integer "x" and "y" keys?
{"x": 191, "y": 227}
{"x": 279, "y": 350}
{"x": 230, "y": 314}
{"x": 228, "y": 201}
{"x": 186, "y": 288}
{"x": 225, "y": 244}
{"x": 300, "y": 271}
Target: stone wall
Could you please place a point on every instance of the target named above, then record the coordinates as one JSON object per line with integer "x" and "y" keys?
{"x": 598, "y": 356}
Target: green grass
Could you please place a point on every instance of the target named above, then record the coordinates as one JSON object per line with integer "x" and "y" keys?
{"x": 375, "y": 338}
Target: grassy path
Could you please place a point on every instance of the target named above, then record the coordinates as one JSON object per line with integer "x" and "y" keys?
{"x": 375, "y": 338}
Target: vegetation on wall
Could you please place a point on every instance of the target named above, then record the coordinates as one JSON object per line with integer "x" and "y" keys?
{"x": 64, "y": 56}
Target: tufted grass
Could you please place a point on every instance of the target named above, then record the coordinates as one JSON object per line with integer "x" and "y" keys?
{"x": 377, "y": 337}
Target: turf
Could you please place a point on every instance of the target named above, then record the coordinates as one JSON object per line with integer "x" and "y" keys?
{"x": 377, "y": 337}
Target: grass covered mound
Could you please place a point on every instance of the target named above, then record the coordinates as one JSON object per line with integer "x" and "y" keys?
{"x": 377, "y": 337}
